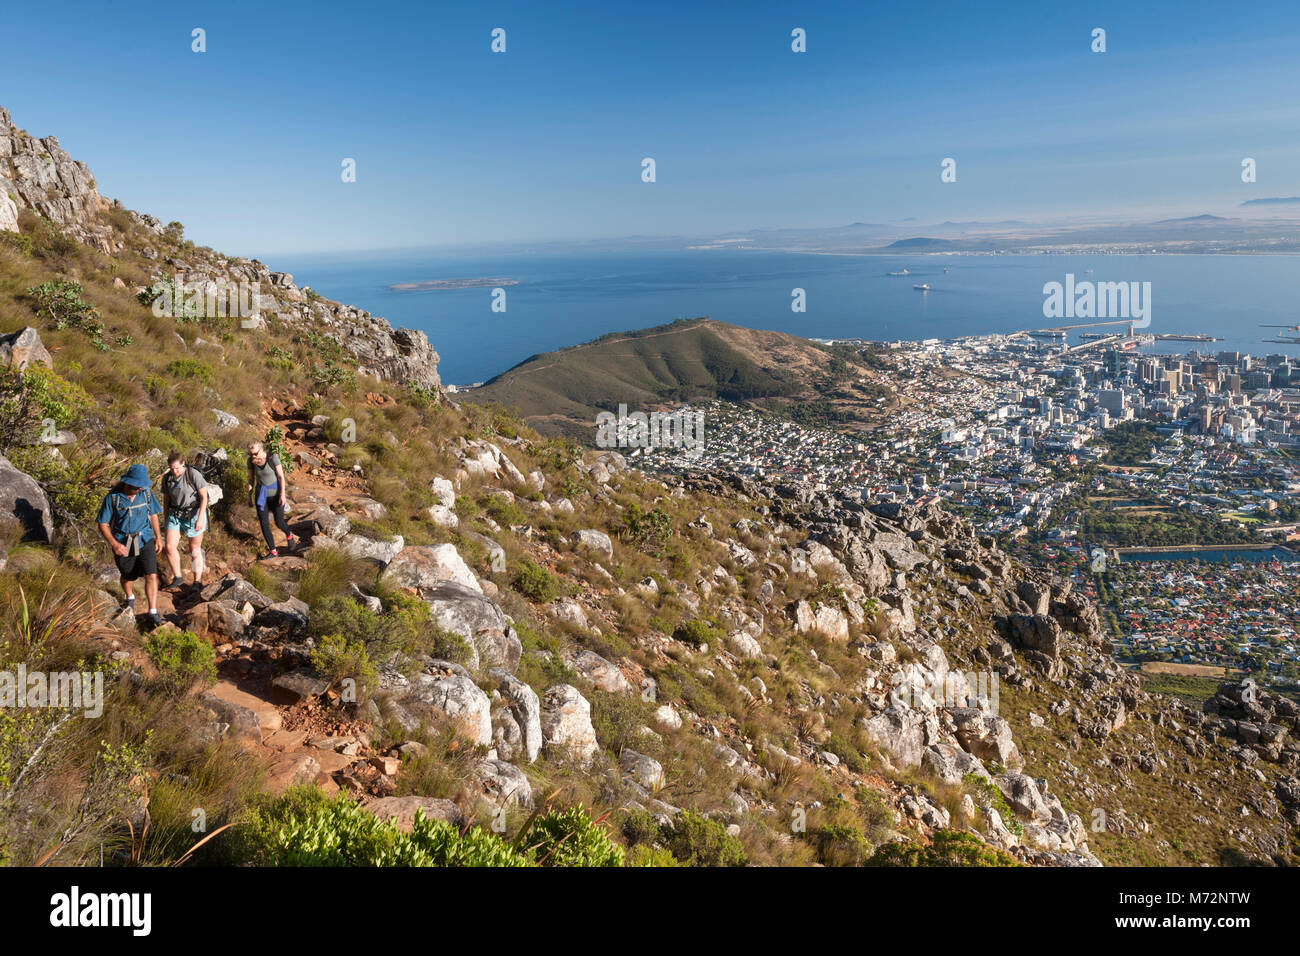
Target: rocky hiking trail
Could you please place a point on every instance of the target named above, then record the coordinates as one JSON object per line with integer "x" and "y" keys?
{"x": 287, "y": 719}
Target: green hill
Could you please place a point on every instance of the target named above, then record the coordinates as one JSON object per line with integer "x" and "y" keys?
{"x": 689, "y": 360}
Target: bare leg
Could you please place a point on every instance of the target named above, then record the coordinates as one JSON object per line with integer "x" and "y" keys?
{"x": 151, "y": 589}
{"x": 128, "y": 588}
{"x": 174, "y": 552}
{"x": 198, "y": 563}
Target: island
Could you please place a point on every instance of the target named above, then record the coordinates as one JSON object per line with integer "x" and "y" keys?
{"x": 440, "y": 284}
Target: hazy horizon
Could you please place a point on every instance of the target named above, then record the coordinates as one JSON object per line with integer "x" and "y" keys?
{"x": 455, "y": 145}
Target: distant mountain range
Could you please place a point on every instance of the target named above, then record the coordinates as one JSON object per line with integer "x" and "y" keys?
{"x": 1260, "y": 232}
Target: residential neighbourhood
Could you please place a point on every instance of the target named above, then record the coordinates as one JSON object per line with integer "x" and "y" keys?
{"x": 1086, "y": 458}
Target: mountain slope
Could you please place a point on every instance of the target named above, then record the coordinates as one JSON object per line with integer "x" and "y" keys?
{"x": 479, "y": 617}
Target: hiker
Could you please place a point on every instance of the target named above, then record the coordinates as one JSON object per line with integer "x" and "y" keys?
{"x": 185, "y": 510}
{"x": 266, "y": 490}
{"x": 128, "y": 520}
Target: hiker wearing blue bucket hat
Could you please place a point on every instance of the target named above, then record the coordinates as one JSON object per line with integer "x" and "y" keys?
{"x": 128, "y": 520}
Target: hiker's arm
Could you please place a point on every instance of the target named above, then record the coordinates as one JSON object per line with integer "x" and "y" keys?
{"x": 157, "y": 533}
{"x": 118, "y": 548}
{"x": 203, "y": 509}
{"x": 279, "y": 474}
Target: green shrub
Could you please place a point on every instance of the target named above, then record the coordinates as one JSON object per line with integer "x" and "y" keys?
{"x": 57, "y": 398}
{"x": 60, "y": 300}
{"x": 191, "y": 368}
{"x": 305, "y": 828}
{"x": 182, "y": 658}
{"x": 618, "y": 718}
{"x": 571, "y": 838}
{"x": 849, "y": 755}
{"x": 697, "y": 840}
{"x": 986, "y": 793}
{"x": 536, "y": 582}
{"x": 648, "y": 530}
{"x": 640, "y": 827}
{"x": 643, "y": 855}
{"x": 505, "y": 513}
{"x": 280, "y": 359}
{"x": 328, "y": 573}
{"x": 336, "y": 658}
{"x": 950, "y": 848}
{"x": 698, "y": 632}
{"x": 875, "y": 813}
{"x": 403, "y": 627}
{"x": 18, "y": 242}
{"x": 840, "y": 845}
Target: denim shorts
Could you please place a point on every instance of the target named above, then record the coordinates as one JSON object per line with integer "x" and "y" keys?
{"x": 175, "y": 522}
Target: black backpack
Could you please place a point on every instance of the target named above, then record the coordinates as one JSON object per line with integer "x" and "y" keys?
{"x": 187, "y": 476}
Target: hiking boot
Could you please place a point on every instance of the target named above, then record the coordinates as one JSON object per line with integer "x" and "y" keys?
{"x": 273, "y": 553}
{"x": 292, "y": 543}
{"x": 151, "y": 620}
{"x": 177, "y": 582}
{"x": 129, "y": 605}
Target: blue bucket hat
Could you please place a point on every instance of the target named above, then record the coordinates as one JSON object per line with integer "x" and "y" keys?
{"x": 137, "y": 476}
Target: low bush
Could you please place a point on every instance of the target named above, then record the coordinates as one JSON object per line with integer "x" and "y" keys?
{"x": 182, "y": 658}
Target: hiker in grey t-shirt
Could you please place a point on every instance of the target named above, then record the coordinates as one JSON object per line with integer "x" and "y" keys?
{"x": 266, "y": 491}
{"x": 185, "y": 510}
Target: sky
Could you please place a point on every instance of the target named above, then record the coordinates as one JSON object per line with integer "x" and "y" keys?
{"x": 455, "y": 145}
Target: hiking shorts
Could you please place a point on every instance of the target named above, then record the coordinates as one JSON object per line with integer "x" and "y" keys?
{"x": 133, "y": 566}
{"x": 177, "y": 523}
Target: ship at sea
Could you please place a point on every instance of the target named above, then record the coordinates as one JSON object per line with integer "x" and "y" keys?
{"x": 903, "y": 273}
{"x": 924, "y": 287}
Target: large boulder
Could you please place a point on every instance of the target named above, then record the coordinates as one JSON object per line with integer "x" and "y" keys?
{"x": 373, "y": 549}
{"x": 524, "y": 707}
{"x": 235, "y": 590}
{"x": 593, "y": 541}
{"x": 465, "y": 611}
{"x": 444, "y": 491}
{"x": 217, "y": 621}
{"x": 290, "y": 615}
{"x": 951, "y": 764}
{"x": 8, "y": 213}
{"x": 459, "y": 699}
{"x": 23, "y": 500}
{"x": 401, "y": 811}
{"x": 24, "y": 347}
{"x": 505, "y": 784}
{"x": 602, "y": 673}
{"x": 425, "y": 568}
{"x": 902, "y": 734}
{"x": 1024, "y": 797}
{"x": 566, "y": 724}
{"x": 986, "y": 736}
{"x": 823, "y": 618}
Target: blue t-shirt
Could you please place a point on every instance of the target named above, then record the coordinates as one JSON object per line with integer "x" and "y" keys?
{"x": 127, "y": 516}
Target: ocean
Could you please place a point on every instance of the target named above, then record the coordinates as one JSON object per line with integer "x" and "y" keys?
{"x": 563, "y": 298}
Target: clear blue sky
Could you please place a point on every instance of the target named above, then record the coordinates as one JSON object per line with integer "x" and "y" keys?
{"x": 457, "y": 145}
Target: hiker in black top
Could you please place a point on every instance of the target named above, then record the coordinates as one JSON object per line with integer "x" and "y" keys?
{"x": 266, "y": 490}
{"x": 185, "y": 511}
{"x": 128, "y": 520}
